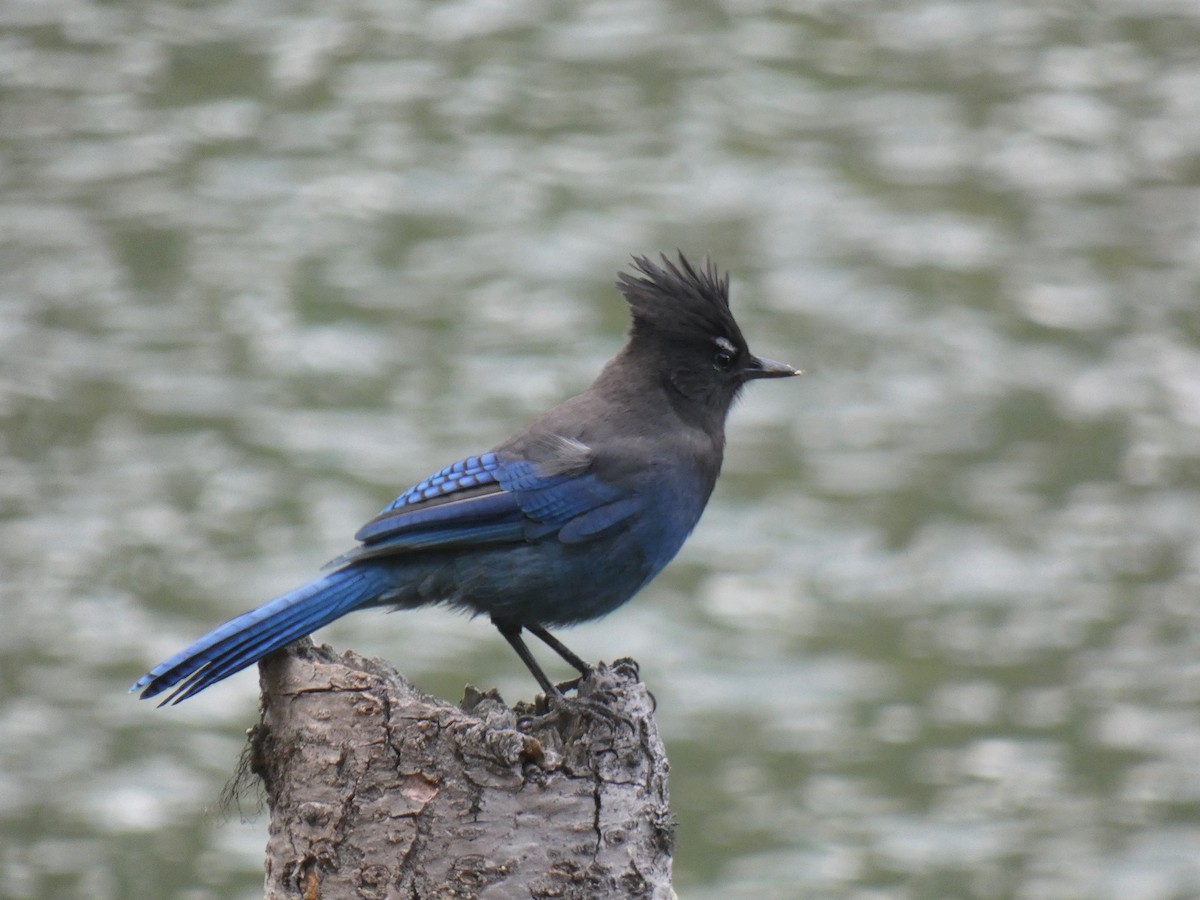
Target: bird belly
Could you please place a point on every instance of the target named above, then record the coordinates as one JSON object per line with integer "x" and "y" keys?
{"x": 549, "y": 584}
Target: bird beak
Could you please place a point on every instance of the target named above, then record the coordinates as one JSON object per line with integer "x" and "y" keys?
{"x": 767, "y": 368}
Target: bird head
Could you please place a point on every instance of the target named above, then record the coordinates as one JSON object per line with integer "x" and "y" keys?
{"x": 682, "y": 327}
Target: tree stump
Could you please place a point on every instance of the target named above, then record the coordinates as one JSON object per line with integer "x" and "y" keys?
{"x": 377, "y": 790}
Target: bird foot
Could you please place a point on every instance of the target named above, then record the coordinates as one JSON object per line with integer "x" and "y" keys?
{"x": 557, "y": 709}
{"x": 562, "y": 711}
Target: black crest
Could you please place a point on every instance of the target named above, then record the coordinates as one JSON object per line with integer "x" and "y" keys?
{"x": 679, "y": 301}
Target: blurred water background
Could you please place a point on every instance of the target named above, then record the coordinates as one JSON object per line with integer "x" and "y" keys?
{"x": 264, "y": 264}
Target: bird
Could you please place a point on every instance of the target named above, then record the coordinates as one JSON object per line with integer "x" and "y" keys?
{"x": 560, "y": 524}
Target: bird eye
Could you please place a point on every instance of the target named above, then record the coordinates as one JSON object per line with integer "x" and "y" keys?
{"x": 724, "y": 359}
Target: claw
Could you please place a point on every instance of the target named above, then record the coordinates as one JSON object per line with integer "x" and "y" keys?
{"x": 561, "y": 709}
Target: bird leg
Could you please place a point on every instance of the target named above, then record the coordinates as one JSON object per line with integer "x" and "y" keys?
{"x": 560, "y": 648}
{"x": 559, "y": 705}
{"x": 512, "y": 634}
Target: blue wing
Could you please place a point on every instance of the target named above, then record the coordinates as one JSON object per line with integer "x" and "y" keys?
{"x": 550, "y": 492}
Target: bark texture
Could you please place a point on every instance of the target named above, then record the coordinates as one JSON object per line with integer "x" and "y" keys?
{"x": 379, "y": 791}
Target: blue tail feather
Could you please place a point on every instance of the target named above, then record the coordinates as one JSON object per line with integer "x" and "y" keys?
{"x": 247, "y": 638}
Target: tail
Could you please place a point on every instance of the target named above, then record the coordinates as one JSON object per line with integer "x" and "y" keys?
{"x": 248, "y": 638}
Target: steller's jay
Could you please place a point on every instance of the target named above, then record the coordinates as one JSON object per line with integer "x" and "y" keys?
{"x": 561, "y": 523}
